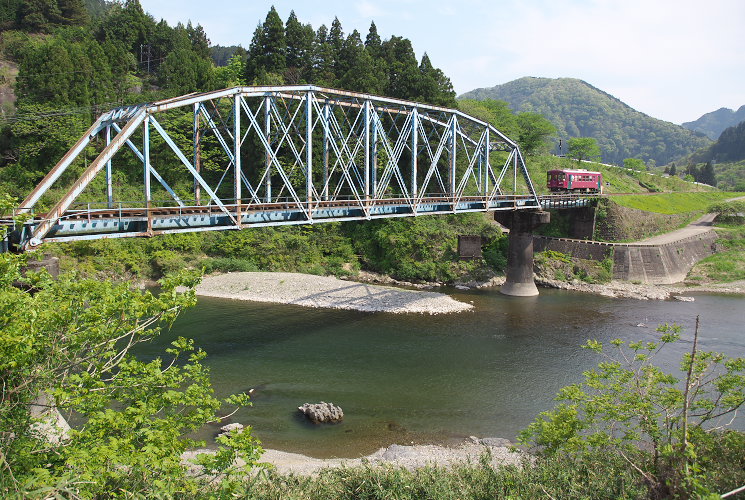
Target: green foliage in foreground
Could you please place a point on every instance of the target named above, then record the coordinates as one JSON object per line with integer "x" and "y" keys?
{"x": 591, "y": 474}
{"x": 666, "y": 428}
{"x": 65, "y": 342}
{"x": 572, "y": 476}
{"x": 672, "y": 203}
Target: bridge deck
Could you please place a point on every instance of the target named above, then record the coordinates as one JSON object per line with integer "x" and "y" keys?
{"x": 90, "y": 222}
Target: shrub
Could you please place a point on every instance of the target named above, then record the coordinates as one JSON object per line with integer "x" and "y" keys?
{"x": 663, "y": 426}
{"x": 495, "y": 253}
{"x": 228, "y": 264}
{"x": 732, "y": 212}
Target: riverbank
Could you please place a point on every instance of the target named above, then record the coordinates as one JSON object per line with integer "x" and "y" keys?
{"x": 625, "y": 290}
{"x": 409, "y": 457}
{"x": 326, "y": 291}
{"x": 377, "y": 293}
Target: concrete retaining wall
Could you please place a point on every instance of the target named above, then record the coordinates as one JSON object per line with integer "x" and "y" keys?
{"x": 655, "y": 264}
{"x": 581, "y": 249}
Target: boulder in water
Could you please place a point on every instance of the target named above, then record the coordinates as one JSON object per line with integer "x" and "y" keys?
{"x": 322, "y": 412}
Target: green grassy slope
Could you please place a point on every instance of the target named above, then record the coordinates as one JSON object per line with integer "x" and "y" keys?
{"x": 672, "y": 203}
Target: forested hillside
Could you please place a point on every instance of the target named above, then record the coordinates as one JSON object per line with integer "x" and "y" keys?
{"x": 578, "y": 109}
{"x": 727, "y": 156}
{"x": 75, "y": 59}
{"x": 713, "y": 124}
{"x": 730, "y": 147}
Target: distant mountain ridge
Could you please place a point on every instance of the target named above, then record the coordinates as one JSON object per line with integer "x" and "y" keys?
{"x": 578, "y": 109}
{"x": 730, "y": 147}
{"x": 713, "y": 124}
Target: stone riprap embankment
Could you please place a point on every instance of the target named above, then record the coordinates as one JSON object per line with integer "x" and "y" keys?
{"x": 326, "y": 291}
{"x": 661, "y": 260}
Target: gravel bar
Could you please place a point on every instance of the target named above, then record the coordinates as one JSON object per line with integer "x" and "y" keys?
{"x": 326, "y": 291}
{"x": 409, "y": 457}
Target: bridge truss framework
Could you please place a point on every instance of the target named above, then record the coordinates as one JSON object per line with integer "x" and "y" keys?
{"x": 267, "y": 156}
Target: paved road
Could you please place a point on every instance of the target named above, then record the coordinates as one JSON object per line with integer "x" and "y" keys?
{"x": 699, "y": 226}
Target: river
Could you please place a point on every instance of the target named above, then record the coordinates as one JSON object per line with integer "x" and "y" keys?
{"x": 425, "y": 379}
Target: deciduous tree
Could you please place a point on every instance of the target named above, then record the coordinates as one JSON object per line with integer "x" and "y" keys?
{"x": 634, "y": 164}
{"x": 630, "y": 407}
{"x": 583, "y": 148}
{"x": 535, "y": 132}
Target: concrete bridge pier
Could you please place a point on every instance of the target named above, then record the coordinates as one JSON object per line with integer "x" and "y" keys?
{"x": 519, "y": 273}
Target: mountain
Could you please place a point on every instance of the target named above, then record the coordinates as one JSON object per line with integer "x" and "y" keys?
{"x": 730, "y": 147}
{"x": 712, "y": 124}
{"x": 727, "y": 155}
{"x": 578, "y": 109}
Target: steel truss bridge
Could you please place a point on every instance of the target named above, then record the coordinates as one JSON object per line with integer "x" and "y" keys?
{"x": 269, "y": 156}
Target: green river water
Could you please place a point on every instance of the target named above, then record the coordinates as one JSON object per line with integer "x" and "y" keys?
{"x": 419, "y": 378}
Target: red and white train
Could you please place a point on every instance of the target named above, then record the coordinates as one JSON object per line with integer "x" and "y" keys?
{"x": 574, "y": 181}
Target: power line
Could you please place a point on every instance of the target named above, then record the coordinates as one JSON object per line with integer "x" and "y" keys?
{"x": 28, "y": 75}
{"x": 19, "y": 117}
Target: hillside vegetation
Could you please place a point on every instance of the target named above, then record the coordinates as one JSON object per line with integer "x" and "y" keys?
{"x": 725, "y": 159}
{"x": 578, "y": 109}
{"x": 731, "y": 176}
{"x": 730, "y": 147}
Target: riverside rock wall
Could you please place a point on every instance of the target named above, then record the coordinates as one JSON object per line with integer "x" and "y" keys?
{"x": 659, "y": 264}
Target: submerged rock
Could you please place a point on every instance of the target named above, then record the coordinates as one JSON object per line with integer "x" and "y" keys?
{"x": 322, "y": 412}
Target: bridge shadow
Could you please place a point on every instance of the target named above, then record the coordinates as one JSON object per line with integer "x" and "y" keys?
{"x": 377, "y": 298}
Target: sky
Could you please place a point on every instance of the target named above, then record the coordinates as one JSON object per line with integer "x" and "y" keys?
{"x": 671, "y": 59}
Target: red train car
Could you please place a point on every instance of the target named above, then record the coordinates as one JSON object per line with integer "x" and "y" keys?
{"x": 574, "y": 181}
